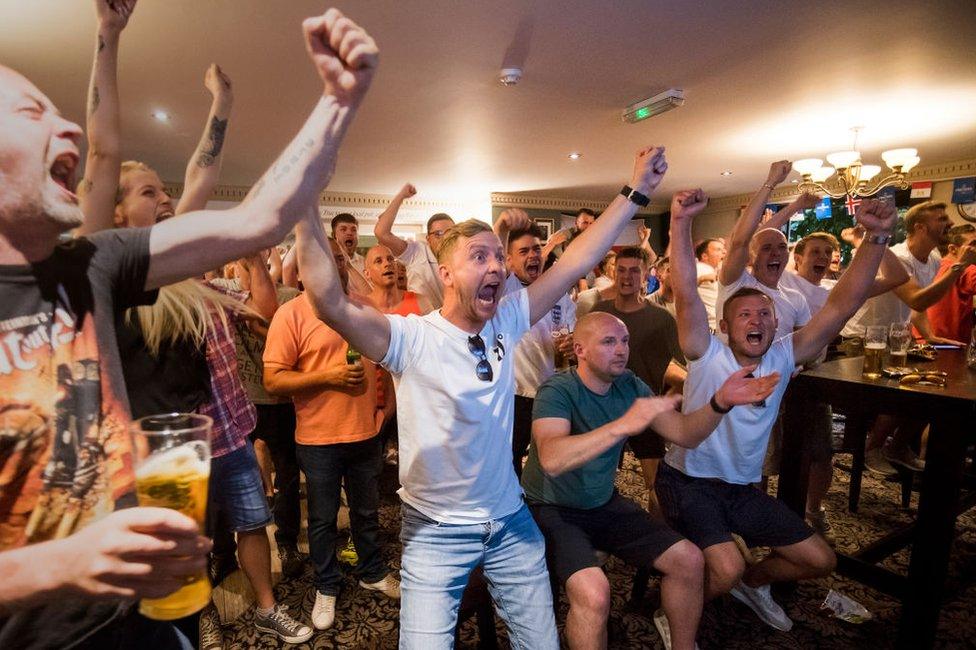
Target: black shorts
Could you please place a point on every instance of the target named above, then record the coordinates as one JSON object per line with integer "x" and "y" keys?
{"x": 646, "y": 445}
{"x": 707, "y": 511}
{"x": 619, "y": 527}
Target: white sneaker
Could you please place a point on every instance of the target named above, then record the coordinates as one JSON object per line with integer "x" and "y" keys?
{"x": 323, "y": 612}
{"x": 388, "y": 586}
{"x": 760, "y": 600}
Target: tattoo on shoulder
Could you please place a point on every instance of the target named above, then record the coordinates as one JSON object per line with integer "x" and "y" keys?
{"x": 215, "y": 142}
{"x": 95, "y": 99}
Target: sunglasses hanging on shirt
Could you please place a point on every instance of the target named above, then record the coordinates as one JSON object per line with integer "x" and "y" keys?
{"x": 476, "y": 346}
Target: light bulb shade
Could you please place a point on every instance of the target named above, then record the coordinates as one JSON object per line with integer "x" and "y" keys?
{"x": 907, "y": 167}
{"x": 868, "y": 172}
{"x": 843, "y": 159}
{"x": 807, "y": 166}
{"x": 898, "y": 157}
{"x": 822, "y": 174}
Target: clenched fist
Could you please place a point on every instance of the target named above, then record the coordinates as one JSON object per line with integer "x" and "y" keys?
{"x": 778, "y": 172}
{"x": 345, "y": 56}
{"x": 876, "y": 216}
{"x": 650, "y": 165}
{"x": 687, "y": 204}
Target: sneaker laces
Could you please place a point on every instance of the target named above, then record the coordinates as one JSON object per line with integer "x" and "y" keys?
{"x": 280, "y": 616}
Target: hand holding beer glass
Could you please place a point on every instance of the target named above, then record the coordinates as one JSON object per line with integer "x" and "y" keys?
{"x": 899, "y": 338}
{"x": 172, "y": 462}
{"x": 875, "y": 342}
{"x": 562, "y": 342}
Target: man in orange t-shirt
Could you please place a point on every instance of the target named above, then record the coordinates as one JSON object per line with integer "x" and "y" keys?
{"x": 952, "y": 316}
{"x": 337, "y": 422}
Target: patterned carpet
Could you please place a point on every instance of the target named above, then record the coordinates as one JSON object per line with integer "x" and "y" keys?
{"x": 369, "y": 620}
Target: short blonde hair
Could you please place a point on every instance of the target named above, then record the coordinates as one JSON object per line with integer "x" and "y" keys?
{"x": 822, "y": 236}
{"x": 465, "y": 229}
{"x": 916, "y": 213}
{"x": 128, "y": 167}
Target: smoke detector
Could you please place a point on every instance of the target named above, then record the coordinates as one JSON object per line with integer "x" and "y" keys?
{"x": 510, "y": 76}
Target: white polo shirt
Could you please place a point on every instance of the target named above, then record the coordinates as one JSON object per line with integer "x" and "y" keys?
{"x": 455, "y": 429}
{"x": 735, "y": 450}
{"x": 422, "y": 276}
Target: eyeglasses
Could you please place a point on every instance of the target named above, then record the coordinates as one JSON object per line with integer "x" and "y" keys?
{"x": 476, "y": 346}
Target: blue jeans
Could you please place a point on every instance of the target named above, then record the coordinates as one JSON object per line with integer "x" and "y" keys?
{"x": 237, "y": 498}
{"x": 437, "y": 560}
{"x": 325, "y": 468}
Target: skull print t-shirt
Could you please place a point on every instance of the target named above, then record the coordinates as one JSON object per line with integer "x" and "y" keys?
{"x": 65, "y": 457}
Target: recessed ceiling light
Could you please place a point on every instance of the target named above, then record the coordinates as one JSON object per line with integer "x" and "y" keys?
{"x": 575, "y": 156}
{"x": 794, "y": 181}
{"x": 161, "y": 115}
{"x": 727, "y": 172}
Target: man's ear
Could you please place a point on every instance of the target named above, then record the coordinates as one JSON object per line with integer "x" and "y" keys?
{"x": 446, "y": 275}
{"x": 723, "y": 327}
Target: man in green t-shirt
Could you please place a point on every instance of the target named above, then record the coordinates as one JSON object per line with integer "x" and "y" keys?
{"x": 581, "y": 419}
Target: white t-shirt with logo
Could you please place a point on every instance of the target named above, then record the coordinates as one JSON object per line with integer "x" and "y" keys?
{"x": 534, "y": 362}
{"x": 735, "y": 450}
{"x": 422, "y": 276}
{"x": 815, "y": 294}
{"x": 888, "y": 308}
{"x": 792, "y": 310}
{"x": 455, "y": 429}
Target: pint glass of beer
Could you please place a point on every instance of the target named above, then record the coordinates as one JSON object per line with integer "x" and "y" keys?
{"x": 875, "y": 343}
{"x": 172, "y": 461}
{"x": 899, "y": 338}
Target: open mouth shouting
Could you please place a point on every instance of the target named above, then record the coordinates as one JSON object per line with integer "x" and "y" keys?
{"x": 755, "y": 337}
{"x": 62, "y": 172}
{"x": 533, "y": 268}
{"x": 487, "y": 296}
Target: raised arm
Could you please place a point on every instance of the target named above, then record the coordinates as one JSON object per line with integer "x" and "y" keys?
{"x": 690, "y": 314}
{"x": 345, "y": 57}
{"x": 384, "y": 223}
{"x": 893, "y": 274}
{"x": 557, "y": 238}
{"x": 590, "y": 247}
{"x": 644, "y": 242}
{"x": 203, "y": 170}
{"x": 274, "y": 264}
{"x": 364, "y": 327}
{"x": 878, "y": 219}
{"x": 103, "y": 162}
{"x": 264, "y": 296}
{"x": 805, "y": 201}
{"x": 747, "y": 224}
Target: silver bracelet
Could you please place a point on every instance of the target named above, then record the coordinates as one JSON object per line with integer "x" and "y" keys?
{"x": 878, "y": 239}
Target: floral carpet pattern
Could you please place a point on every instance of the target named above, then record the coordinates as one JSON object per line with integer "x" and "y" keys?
{"x": 366, "y": 619}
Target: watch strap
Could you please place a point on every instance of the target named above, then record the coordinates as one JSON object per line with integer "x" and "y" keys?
{"x": 634, "y": 196}
{"x": 718, "y": 409}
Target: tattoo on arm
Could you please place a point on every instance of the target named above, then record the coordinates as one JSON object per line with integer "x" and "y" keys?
{"x": 95, "y": 100}
{"x": 101, "y": 43}
{"x": 215, "y": 143}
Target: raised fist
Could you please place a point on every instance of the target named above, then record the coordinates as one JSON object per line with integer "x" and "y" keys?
{"x": 650, "y": 166}
{"x": 778, "y": 172}
{"x": 807, "y": 201}
{"x": 643, "y": 234}
{"x": 876, "y": 216}
{"x": 345, "y": 56}
{"x": 514, "y": 219}
{"x": 687, "y": 204}
{"x": 407, "y": 191}
{"x": 114, "y": 14}
{"x": 217, "y": 83}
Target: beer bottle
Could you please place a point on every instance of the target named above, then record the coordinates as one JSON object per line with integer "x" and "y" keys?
{"x": 353, "y": 356}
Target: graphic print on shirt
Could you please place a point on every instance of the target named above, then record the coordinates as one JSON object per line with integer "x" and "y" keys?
{"x": 65, "y": 456}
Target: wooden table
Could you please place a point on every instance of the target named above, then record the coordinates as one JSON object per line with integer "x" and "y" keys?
{"x": 951, "y": 412}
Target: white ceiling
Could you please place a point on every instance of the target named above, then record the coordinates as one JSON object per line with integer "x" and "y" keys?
{"x": 763, "y": 80}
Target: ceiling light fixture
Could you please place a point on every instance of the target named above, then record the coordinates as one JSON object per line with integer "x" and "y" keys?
{"x": 660, "y": 103}
{"x": 727, "y": 172}
{"x": 160, "y": 115}
{"x": 575, "y": 156}
{"x": 854, "y": 176}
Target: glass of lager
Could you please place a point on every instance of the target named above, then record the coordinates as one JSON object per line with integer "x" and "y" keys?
{"x": 899, "y": 338}
{"x": 172, "y": 462}
{"x": 875, "y": 342}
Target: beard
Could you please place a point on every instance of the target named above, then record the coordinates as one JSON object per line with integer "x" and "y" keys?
{"x": 60, "y": 213}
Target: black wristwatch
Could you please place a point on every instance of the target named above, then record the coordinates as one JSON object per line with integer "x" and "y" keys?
{"x": 634, "y": 196}
{"x": 717, "y": 408}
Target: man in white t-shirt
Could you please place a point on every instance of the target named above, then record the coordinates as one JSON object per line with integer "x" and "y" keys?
{"x": 535, "y": 353}
{"x": 927, "y": 226}
{"x": 420, "y": 257}
{"x": 706, "y": 492}
{"x": 455, "y": 382}
{"x": 710, "y": 254}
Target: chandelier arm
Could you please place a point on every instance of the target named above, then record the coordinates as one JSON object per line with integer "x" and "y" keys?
{"x": 891, "y": 179}
{"x": 813, "y": 187}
